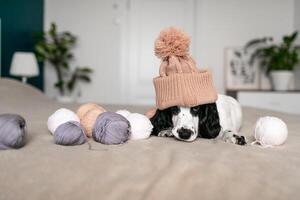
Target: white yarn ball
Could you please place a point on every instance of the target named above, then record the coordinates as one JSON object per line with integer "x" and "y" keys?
{"x": 124, "y": 113}
{"x": 270, "y": 131}
{"x": 141, "y": 126}
{"x": 59, "y": 117}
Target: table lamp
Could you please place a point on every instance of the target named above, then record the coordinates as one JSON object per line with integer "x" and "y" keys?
{"x": 24, "y": 64}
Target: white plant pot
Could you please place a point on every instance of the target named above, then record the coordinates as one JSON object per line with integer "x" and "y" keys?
{"x": 281, "y": 79}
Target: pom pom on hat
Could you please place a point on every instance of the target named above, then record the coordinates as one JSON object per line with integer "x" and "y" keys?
{"x": 65, "y": 126}
{"x": 270, "y": 131}
{"x": 140, "y": 125}
{"x": 172, "y": 42}
{"x": 69, "y": 133}
{"x": 12, "y": 131}
{"x": 111, "y": 128}
{"x": 59, "y": 117}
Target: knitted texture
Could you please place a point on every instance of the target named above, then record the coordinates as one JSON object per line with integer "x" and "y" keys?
{"x": 180, "y": 83}
{"x": 88, "y": 114}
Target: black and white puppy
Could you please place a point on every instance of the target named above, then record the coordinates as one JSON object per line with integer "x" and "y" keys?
{"x": 222, "y": 119}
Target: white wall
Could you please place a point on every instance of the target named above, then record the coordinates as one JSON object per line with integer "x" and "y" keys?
{"x": 219, "y": 24}
{"x": 234, "y": 22}
{"x": 297, "y": 17}
{"x": 98, "y": 44}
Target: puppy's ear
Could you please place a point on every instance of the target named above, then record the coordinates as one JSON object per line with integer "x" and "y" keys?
{"x": 209, "y": 122}
{"x": 162, "y": 120}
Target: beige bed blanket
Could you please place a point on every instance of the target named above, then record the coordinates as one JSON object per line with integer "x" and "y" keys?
{"x": 156, "y": 168}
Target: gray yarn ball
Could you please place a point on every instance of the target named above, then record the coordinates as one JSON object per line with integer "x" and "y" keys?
{"x": 69, "y": 133}
{"x": 111, "y": 128}
{"x": 12, "y": 131}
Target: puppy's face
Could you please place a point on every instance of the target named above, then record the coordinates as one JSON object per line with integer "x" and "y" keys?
{"x": 185, "y": 124}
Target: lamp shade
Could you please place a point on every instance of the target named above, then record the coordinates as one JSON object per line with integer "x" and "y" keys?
{"x": 24, "y": 64}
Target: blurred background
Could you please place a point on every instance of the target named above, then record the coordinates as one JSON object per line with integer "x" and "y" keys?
{"x": 103, "y": 50}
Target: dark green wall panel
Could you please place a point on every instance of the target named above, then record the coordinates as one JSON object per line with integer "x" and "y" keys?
{"x": 20, "y": 19}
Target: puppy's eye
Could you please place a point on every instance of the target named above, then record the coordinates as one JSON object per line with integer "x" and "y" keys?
{"x": 195, "y": 109}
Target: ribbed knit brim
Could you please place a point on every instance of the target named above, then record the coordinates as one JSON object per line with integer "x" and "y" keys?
{"x": 184, "y": 89}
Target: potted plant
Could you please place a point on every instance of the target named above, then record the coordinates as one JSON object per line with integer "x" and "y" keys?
{"x": 277, "y": 60}
{"x": 55, "y": 48}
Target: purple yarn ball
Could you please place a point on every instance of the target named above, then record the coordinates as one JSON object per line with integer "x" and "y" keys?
{"x": 69, "y": 133}
{"x": 111, "y": 128}
{"x": 12, "y": 131}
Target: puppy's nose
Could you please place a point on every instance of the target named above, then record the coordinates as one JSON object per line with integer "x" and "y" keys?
{"x": 184, "y": 133}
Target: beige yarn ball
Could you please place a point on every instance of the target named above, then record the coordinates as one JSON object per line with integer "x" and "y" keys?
{"x": 82, "y": 110}
{"x": 88, "y": 114}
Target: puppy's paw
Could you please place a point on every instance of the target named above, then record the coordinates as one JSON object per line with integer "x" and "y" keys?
{"x": 166, "y": 133}
{"x": 232, "y": 137}
{"x": 240, "y": 140}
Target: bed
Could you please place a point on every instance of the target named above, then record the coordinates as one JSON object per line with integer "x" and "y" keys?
{"x": 156, "y": 168}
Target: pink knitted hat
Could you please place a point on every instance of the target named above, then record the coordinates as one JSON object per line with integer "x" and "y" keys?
{"x": 180, "y": 83}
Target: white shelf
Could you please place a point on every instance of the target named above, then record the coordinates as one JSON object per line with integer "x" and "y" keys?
{"x": 287, "y": 102}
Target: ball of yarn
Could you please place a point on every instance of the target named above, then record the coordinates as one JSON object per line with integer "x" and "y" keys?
{"x": 111, "y": 128}
{"x": 59, "y": 117}
{"x": 172, "y": 42}
{"x": 83, "y": 109}
{"x": 270, "y": 131}
{"x": 124, "y": 113}
{"x": 12, "y": 131}
{"x": 88, "y": 120}
{"x": 69, "y": 133}
{"x": 140, "y": 126}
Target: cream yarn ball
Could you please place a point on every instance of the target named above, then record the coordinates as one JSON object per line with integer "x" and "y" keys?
{"x": 88, "y": 114}
{"x": 270, "y": 131}
{"x": 124, "y": 113}
{"x": 83, "y": 109}
{"x": 140, "y": 125}
{"x": 59, "y": 117}
{"x": 88, "y": 121}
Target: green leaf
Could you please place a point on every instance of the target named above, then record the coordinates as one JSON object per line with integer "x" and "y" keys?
{"x": 59, "y": 84}
{"x": 56, "y": 48}
{"x": 65, "y": 65}
{"x": 84, "y": 70}
{"x": 282, "y": 56}
{"x": 52, "y": 31}
{"x": 84, "y": 78}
